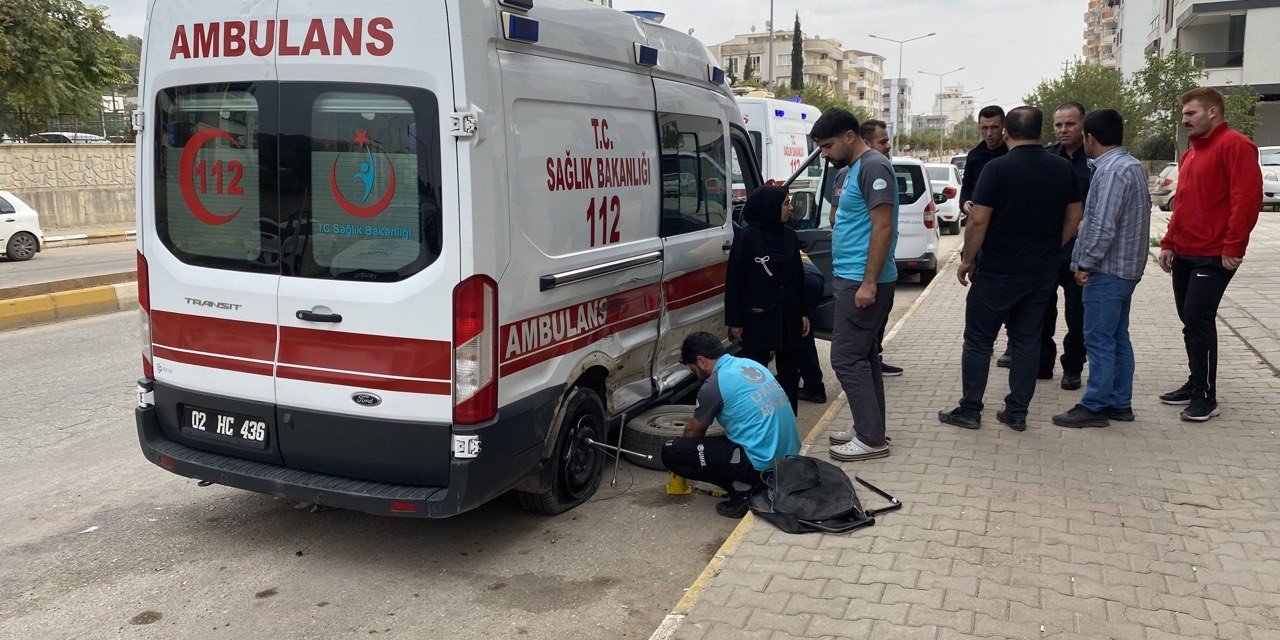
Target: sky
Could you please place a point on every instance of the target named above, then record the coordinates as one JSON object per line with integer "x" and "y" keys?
{"x": 1005, "y": 46}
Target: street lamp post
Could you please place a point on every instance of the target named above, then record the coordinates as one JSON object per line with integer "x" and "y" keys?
{"x": 942, "y": 122}
{"x": 897, "y": 125}
{"x": 770, "y": 87}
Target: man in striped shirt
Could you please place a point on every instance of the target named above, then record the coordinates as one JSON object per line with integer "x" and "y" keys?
{"x": 1110, "y": 255}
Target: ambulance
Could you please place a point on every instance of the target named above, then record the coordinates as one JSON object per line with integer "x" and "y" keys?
{"x": 405, "y": 256}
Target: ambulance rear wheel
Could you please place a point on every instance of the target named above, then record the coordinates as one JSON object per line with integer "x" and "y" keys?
{"x": 576, "y": 464}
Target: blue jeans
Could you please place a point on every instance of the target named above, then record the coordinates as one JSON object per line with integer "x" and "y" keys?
{"x": 1107, "y": 299}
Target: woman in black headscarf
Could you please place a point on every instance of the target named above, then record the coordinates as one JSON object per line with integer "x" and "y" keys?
{"x": 764, "y": 290}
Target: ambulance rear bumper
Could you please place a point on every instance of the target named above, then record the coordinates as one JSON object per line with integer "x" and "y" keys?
{"x": 472, "y": 481}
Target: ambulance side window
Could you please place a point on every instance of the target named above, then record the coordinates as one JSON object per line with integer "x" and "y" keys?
{"x": 208, "y": 201}
{"x": 695, "y": 181}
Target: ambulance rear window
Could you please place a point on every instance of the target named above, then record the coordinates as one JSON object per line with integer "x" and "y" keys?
{"x": 208, "y": 193}
{"x": 374, "y": 212}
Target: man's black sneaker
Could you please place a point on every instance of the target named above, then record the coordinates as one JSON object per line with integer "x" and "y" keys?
{"x": 1081, "y": 417}
{"x": 957, "y": 419}
{"x": 1179, "y": 397}
{"x": 1017, "y": 424}
{"x": 1200, "y": 411}
{"x": 736, "y": 506}
{"x": 1005, "y": 360}
{"x": 817, "y": 395}
{"x": 1121, "y": 415}
{"x": 1070, "y": 381}
{"x": 889, "y": 371}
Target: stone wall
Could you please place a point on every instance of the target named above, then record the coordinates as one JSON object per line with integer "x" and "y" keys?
{"x": 72, "y": 185}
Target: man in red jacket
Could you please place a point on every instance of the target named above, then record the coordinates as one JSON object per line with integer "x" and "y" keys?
{"x": 1219, "y": 197}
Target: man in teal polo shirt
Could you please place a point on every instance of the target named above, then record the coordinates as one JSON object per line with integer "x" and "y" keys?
{"x": 756, "y": 415}
{"x": 862, "y": 245}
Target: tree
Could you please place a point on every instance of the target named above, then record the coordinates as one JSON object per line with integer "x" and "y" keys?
{"x": 797, "y": 57}
{"x": 749, "y": 72}
{"x": 56, "y": 56}
{"x": 1159, "y": 85}
{"x": 1241, "y": 100}
{"x": 823, "y": 98}
{"x": 1093, "y": 87}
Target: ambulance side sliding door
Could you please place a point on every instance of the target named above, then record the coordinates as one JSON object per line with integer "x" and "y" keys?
{"x": 696, "y": 230}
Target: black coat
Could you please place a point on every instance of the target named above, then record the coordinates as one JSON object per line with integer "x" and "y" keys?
{"x": 764, "y": 288}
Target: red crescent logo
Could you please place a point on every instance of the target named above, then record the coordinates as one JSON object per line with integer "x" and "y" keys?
{"x": 353, "y": 208}
{"x": 186, "y": 165}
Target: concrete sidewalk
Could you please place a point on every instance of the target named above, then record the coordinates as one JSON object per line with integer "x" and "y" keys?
{"x": 1145, "y": 530}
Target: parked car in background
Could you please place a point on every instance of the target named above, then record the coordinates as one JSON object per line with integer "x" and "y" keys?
{"x": 917, "y": 250}
{"x": 20, "y": 234}
{"x": 66, "y": 137}
{"x": 945, "y": 180}
{"x": 1166, "y": 184}
{"x": 958, "y": 161}
{"x": 1269, "y": 158}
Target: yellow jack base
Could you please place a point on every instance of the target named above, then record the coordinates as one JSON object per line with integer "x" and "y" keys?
{"x": 677, "y": 486}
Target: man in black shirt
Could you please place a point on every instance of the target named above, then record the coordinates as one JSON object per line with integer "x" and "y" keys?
{"x": 1026, "y": 207}
{"x": 1068, "y": 128}
{"x": 991, "y": 127}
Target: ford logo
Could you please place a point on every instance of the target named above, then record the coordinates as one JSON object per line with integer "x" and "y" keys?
{"x": 366, "y": 399}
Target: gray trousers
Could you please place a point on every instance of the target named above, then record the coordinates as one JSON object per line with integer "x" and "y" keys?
{"x": 855, "y": 357}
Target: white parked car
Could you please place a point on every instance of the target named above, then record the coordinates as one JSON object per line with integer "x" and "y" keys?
{"x": 945, "y": 180}
{"x": 1269, "y": 158}
{"x": 67, "y": 137}
{"x": 20, "y": 234}
{"x": 918, "y": 236}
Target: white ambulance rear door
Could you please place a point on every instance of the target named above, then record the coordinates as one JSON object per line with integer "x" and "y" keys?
{"x": 207, "y": 220}
{"x": 369, "y": 209}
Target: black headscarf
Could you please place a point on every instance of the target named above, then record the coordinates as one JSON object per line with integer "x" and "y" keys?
{"x": 764, "y": 209}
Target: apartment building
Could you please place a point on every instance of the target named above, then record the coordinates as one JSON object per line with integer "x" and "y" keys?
{"x": 1236, "y": 41}
{"x": 895, "y": 97}
{"x": 856, "y": 75}
{"x": 1101, "y": 30}
{"x": 1135, "y": 18}
{"x": 954, "y": 105}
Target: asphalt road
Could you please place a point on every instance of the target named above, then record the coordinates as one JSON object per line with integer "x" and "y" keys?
{"x": 97, "y": 542}
{"x": 66, "y": 263}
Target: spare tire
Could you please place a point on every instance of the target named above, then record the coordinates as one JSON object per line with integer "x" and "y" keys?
{"x": 647, "y": 432}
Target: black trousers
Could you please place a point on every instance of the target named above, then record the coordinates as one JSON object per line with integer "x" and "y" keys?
{"x": 810, "y": 367}
{"x": 1019, "y": 303}
{"x": 788, "y": 367}
{"x": 1073, "y": 350}
{"x": 1198, "y": 286}
{"x": 713, "y": 459}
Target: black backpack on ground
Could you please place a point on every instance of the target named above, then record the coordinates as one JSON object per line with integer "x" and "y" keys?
{"x": 806, "y": 495}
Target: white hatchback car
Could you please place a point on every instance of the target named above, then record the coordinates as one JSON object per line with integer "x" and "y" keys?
{"x": 945, "y": 180}
{"x": 20, "y": 234}
{"x": 918, "y": 236}
{"x": 1269, "y": 158}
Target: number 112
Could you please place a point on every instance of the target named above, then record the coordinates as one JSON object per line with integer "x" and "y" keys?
{"x": 607, "y": 234}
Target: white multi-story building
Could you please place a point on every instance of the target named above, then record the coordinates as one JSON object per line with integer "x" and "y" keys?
{"x": 1236, "y": 41}
{"x": 853, "y": 74}
{"x": 607, "y": 3}
{"x": 895, "y": 97}
{"x": 954, "y": 106}
{"x": 1134, "y": 18}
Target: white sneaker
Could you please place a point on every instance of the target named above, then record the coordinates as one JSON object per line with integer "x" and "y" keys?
{"x": 841, "y": 437}
{"x": 854, "y": 451}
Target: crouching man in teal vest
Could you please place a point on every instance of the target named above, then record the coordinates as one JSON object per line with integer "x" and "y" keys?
{"x": 756, "y": 415}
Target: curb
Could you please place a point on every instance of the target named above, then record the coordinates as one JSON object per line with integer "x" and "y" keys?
{"x": 66, "y": 305}
{"x": 673, "y": 621}
{"x": 81, "y": 239}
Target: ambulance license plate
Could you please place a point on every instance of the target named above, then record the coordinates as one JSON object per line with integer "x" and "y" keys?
{"x": 224, "y": 427}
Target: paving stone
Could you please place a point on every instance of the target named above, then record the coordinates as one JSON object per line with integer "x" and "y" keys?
{"x": 1136, "y": 532}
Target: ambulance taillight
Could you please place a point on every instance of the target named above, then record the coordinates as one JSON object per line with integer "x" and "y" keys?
{"x": 475, "y": 350}
{"x": 144, "y": 316}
